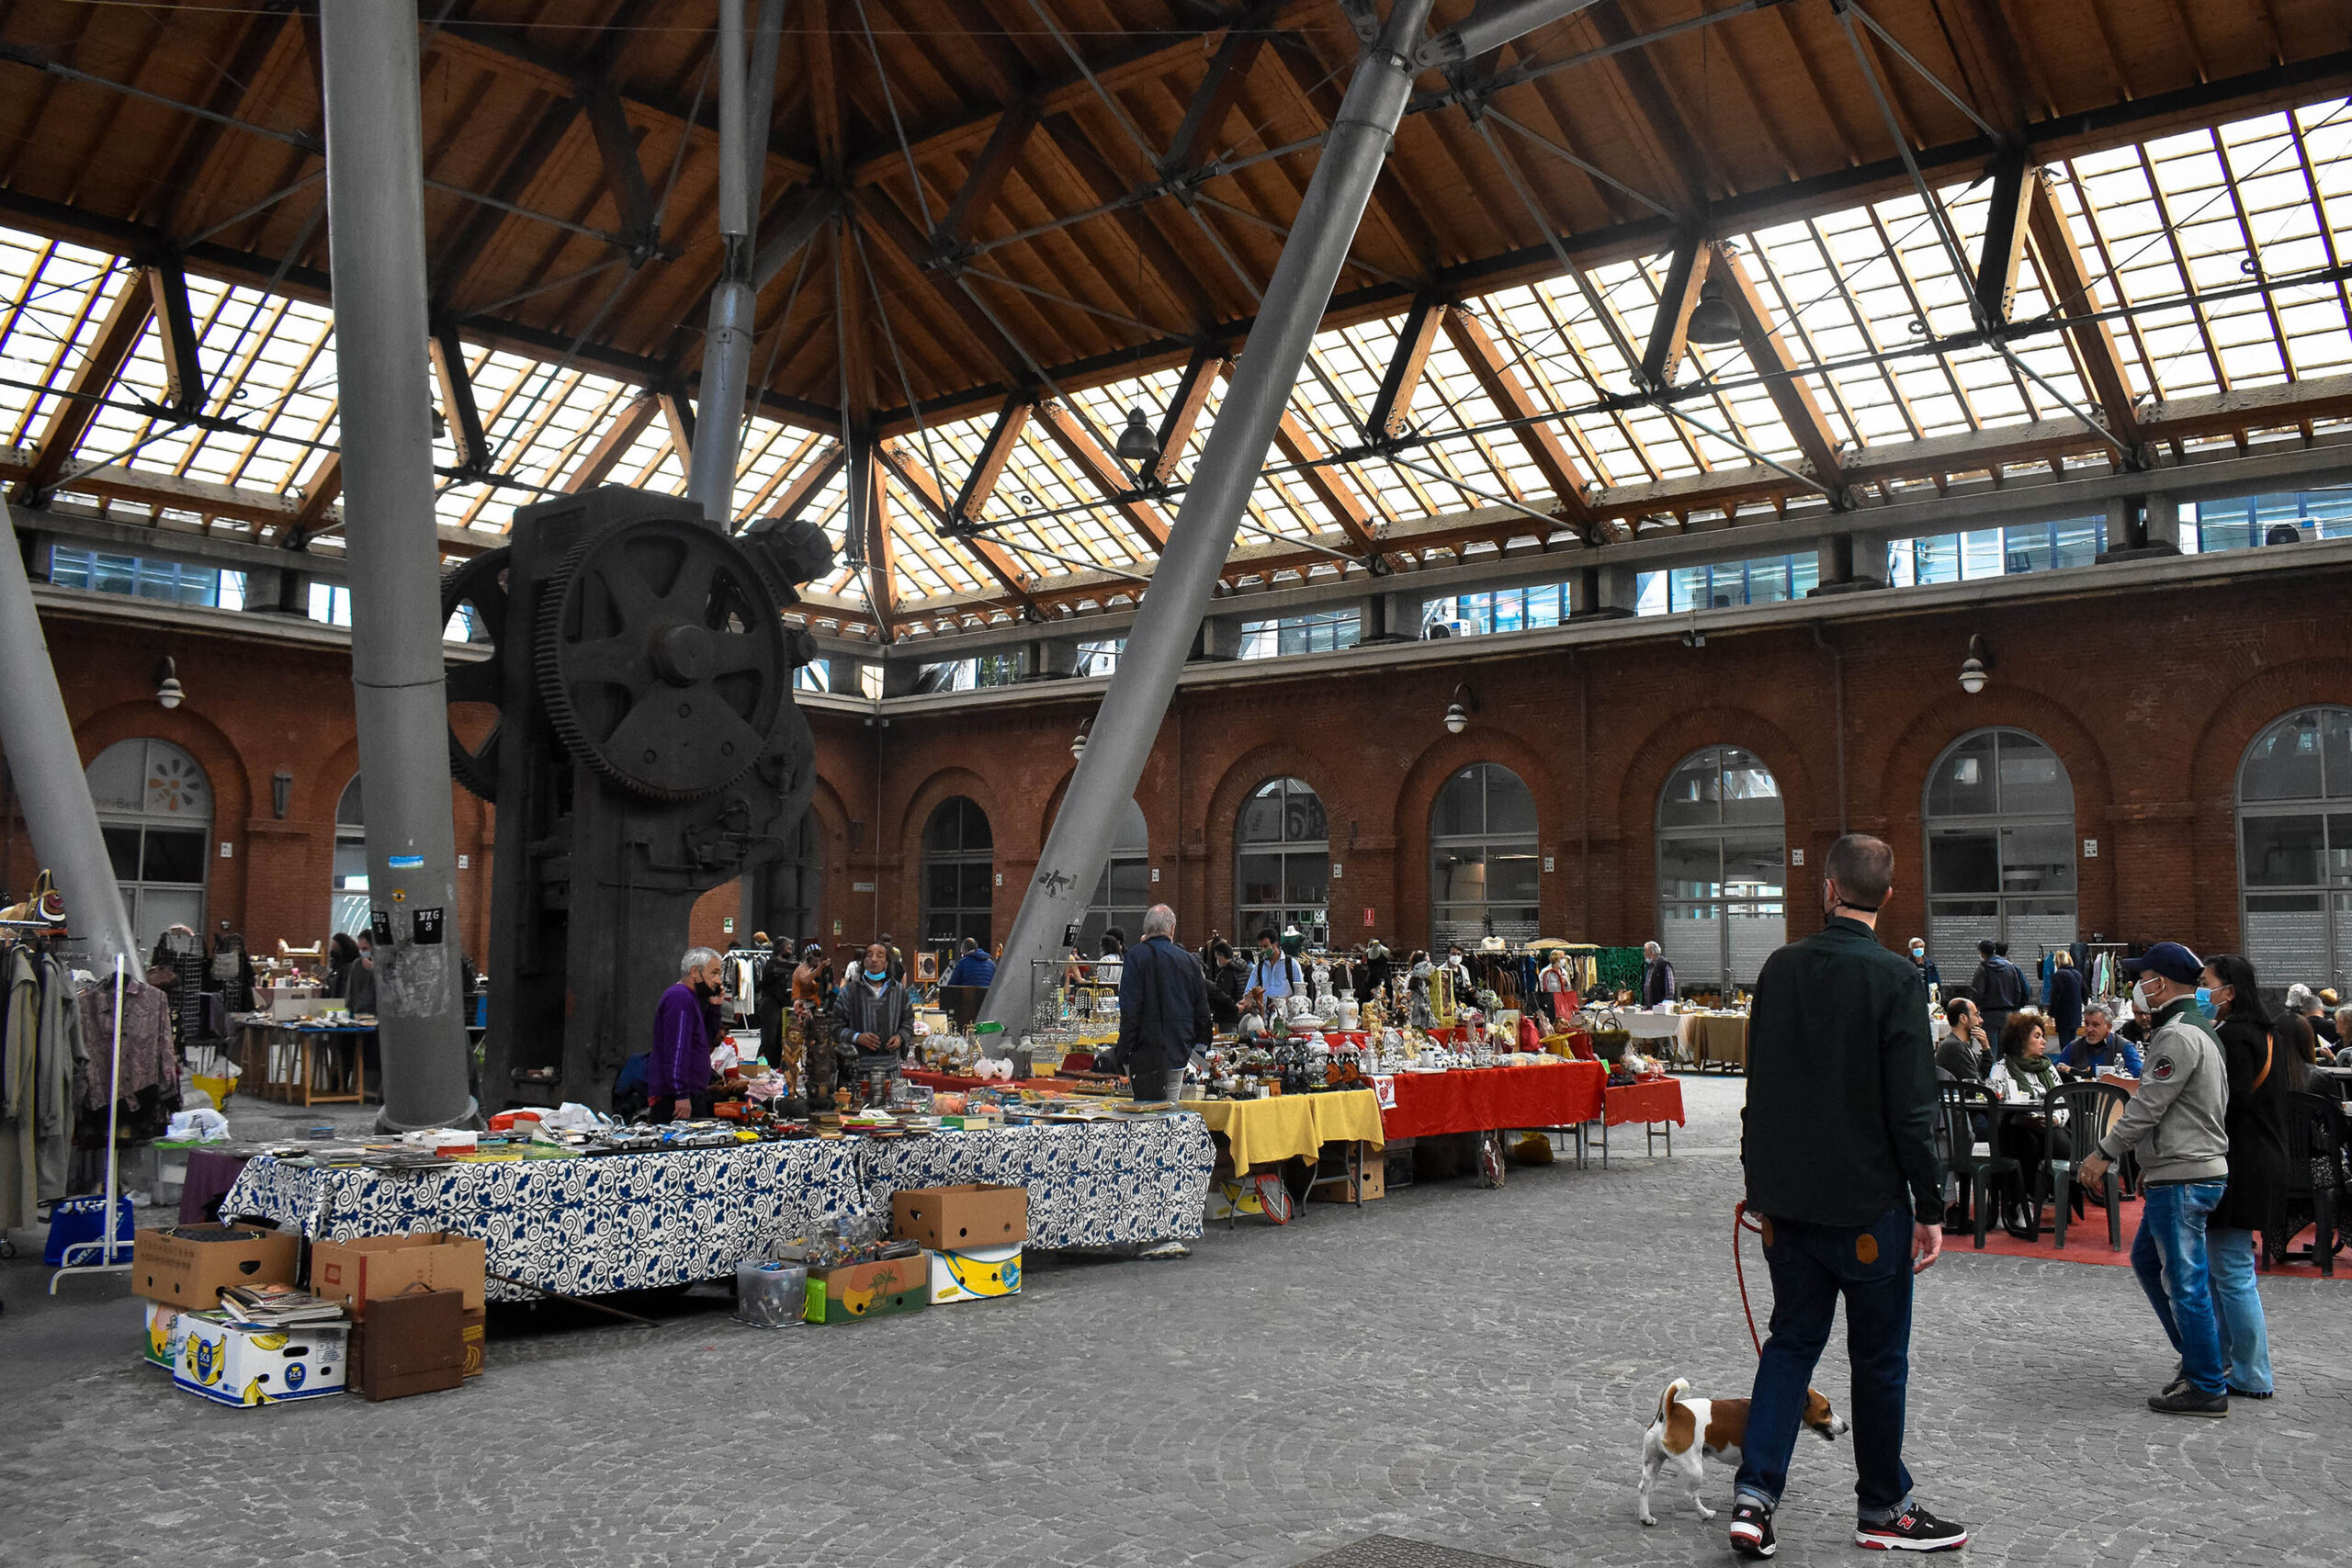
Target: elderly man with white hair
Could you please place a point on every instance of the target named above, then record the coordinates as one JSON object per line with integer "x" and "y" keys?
{"x": 1657, "y": 976}
{"x": 677, "y": 1070}
{"x": 1163, "y": 1013}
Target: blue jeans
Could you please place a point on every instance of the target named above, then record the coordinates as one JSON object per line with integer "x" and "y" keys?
{"x": 1812, "y": 1266}
{"x": 2170, "y": 1257}
{"x": 2239, "y": 1306}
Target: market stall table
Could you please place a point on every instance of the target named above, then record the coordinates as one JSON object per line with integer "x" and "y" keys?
{"x": 296, "y": 1052}
{"x": 1090, "y": 1183}
{"x": 1265, "y": 1133}
{"x": 1723, "y": 1040}
{"x": 1652, "y": 1102}
{"x": 1491, "y": 1101}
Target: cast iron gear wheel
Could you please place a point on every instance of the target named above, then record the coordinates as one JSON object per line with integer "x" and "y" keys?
{"x": 663, "y": 658}
{"x": 478, "y": 586}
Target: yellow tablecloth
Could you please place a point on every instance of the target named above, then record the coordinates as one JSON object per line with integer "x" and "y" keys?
{"x": 1267, "y": 1132}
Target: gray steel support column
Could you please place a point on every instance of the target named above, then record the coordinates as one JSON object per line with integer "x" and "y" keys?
{"x": 36, "y": 739}
{"x": 734, "y": 300}
{"x": 376, "y": 230}
{"x": 1120, "y": 740}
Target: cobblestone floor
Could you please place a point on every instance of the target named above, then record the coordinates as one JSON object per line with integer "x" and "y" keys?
{"x": 1465, "y": 1368}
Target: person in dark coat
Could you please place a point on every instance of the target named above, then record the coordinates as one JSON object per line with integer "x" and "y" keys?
{"x": 1163, "y": 1008}
{"x": 2063, "y": 1000}
{"x": 1228, "y": 981}
{"x": 2260, "y": 1073}
{"x": 1999, "y": 988}
{"x": 1658, "y": 975}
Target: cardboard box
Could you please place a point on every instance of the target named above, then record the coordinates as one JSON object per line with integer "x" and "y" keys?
{"x": 883, "y": 1289}
{"x": 367, "y": 1269}
{"x": 179, "y": 1268}
{"x": 959, "y": 1219}
{"x": 243, "y": 1364}
{"x": 166, "y": 1331}
{"x": 413, "y": 1343}
{"x": 977, "y": 1275}
{"x": 474, "y": 1332}
{"x": 1335, "y": 1185}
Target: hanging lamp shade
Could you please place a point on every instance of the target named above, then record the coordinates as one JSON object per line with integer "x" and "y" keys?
{"x": 1136, "y": 443}
{"x": 1712, "y": 319}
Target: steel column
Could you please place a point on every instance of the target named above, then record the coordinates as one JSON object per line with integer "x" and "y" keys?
{"x": 375, "y": 223}
{"x": 734, "y": 300}
{"x": 1128, "y": 723}
{"x": 37, "y": 740}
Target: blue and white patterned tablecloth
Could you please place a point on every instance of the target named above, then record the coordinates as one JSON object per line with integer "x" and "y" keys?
{"x": 1091, "y": 1184}
{"x": 583, "y": 1226}
{"x": 629, "y": 1222}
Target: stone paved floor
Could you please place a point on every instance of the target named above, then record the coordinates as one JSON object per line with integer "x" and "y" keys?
{"x": 1455, "y": 1366}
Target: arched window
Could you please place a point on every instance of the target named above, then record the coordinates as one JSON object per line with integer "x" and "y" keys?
{"x": 1720, "y": 849}
{"x": 1124, "y": 891}
{"x": 2000, "y": 819}
{"x": 1482, "y": 878}
{"x": 348, "y": 893}
{"x": 1282, "y": 862}
{"x": 958, "y": 880}
{"x": 2294, "y": 801}
{"x": 784, "y": 894}
{"x": 155, "y": 808}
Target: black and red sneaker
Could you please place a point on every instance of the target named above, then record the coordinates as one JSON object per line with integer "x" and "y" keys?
{"x": 1915, "y": 1529}
{"x": 1751, "y": 1531}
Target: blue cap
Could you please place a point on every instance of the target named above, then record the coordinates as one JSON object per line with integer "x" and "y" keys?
{"x": 2169, "y": 959}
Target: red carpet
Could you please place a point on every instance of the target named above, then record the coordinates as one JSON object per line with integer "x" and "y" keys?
{"x": 2086, "y": 1243}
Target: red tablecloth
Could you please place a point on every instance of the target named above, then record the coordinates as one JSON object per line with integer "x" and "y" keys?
{"x": 1556, "y": 1094}
{"x": 1652, "y": 1100}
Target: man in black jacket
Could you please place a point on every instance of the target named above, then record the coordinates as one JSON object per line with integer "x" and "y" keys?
{"x": 1163, "y": 1008}
{"x": 1998, "y": 985}
{"x": 1838, "y": 1143}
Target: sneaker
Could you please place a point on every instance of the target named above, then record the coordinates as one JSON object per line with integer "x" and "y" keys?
{"x": 1915, "y": 1529}
{"x": 2237, "y": 1392}
{"x": 1165, "y": 1250}
{"x": 2192, "y": 1401}
{"x": 1751, "y": 1531}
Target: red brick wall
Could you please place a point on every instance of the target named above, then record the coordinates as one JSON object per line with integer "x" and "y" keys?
{"x": 2150, "y": 700}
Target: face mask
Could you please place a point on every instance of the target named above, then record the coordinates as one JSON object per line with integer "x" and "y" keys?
{"x": 1917, "y": 954}
{"x": 2204, "y": 996}
{"x": 2140, "y": 995}
{"x": 877, "y": 975}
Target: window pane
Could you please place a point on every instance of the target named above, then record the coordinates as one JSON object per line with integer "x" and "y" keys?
{"x": 1304, "y": 820}
{"x": 173, "y": 855}
{"x": 1458, "y": 812}
{"x": 976, "y": 880}
{"x": 1752, "y": 865}
{"x": 2285, "y": 762}
{"x": 1458, "y": 876}
{"x": 122, "y": 847}
{"x": 1261, "y": 879}
{"x": 351, "y": 811}
{"x": 1692, "y": 796}
{"x": 975, "y": 826}
{"x": 2336, "y": 746}
{"x": 1750, "y": 793}
{"x": 939, "y": 886}
{"x": 1306, "y": 878}
{"x": 1132, "y": 834}
{"x": 1261, "y": 818}
{"x": 1130, "y": 883}
{"x": 2037, "y": 860}
{"x": 118, "y": 777}
{"x": 1963, "y": 782}
{"x": 2032, "y": 780}
{"x": 2283, "y": 852}
{"x": 1689, "y": 868}
{"x": 1510, "y": 805}
{"x": 940, "y": 832}
{"x": 1512, "y": 875}
{"x": 1964, "y": 862}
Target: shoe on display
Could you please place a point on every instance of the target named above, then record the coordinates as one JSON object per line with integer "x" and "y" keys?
{"x": 1915, "y": 1529}
{"x": 1751, "y": 1531}
{"x": 2190, "y": 1400}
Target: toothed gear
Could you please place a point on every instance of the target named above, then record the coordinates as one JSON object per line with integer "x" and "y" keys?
{"x": 480, "y": 585}
{"x": 663, "y": 658}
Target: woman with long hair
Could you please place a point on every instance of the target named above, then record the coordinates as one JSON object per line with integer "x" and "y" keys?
{"x": 2257, "y": 1061}
{"x": 2024, "y": 1074}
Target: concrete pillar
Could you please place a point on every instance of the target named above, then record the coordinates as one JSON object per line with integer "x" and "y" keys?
{"x": 1393, "y": 617}
{"x": 1219, "y": 639}
{"x": 899, "y": 677}
{"x": 1051, "y": 658}
{"x": 2139, "y": 526}
{"x": 1610, "y": 592}
{"x": 2160, "y": 523}
{"x": 1848, "y": 564}
{"x": 846, "y": 674}
{"x": 37, "y": 549}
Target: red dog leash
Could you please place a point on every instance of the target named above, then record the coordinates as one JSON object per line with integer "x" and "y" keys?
{"x": 1740, "y": 1221}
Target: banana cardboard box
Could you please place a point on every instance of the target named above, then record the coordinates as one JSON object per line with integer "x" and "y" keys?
{"x": 236, "y": 1363}
{"x": 977, "y": 1275}
{"x": 166, "y": 1331}
{"x": 880, "y": 1288}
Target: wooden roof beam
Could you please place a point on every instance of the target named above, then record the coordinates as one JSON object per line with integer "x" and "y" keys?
{"x": 118, "y": 333}
{"x": 1000, "y": 562}
{"x": 1159, "y": 254}
{"x": 1686, "y": 274}
{"x": 1325, "y": 481}
{"x": 1542, "y": 442}
{"x": 824, "y": 88}
{"x": 2005, "y": 232}
{"x": 454, "y": 379}
{"x": 316, "y": 515}
{"x": 883, "y": 215}
{"x": 2068, "y": 282}
{"x": 866, "y": 512}
{"x": 678, "y": 416}
{"x": 1184, "y": 411}
{"x": 177, "y": 338}
{"x": 1004, "y": 435}
{"x": 1195, "y": 141}
{"x": 617, "y": 438}
{"x": 1392, "y": 199}
{"x": 1103, "y": 472}
{"x": 1767, "y": 352}
{"x": 1682, "y": 159}
{"x": 173, "y": 198}
{"x": 624, "y": 172}
{"x": 1391, "y": 406}
{"x": 978, "y": 192}
{"x": 814, "y": 478}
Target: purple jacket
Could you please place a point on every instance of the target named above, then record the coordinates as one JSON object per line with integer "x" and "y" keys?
{"x": 679, "y": 1065}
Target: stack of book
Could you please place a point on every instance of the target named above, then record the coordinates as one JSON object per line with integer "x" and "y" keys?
{"x": 277, "y": 1306}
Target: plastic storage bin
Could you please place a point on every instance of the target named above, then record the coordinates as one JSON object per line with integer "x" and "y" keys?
{"x": 771, "y": 1295}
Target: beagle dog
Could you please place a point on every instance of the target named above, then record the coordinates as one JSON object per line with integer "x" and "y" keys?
{"x": 1687, "y": 1431}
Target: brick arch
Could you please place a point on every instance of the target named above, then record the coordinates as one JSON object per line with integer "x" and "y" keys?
{"x": 1449, "y": 754}
{"x": 1803, "y": 800}
{"x": 1222, "y": 822}
{"x": 903, "y": 913}
{"x": 1061, "y": 789}
{"x": 225, "y": 765}
{"x": 317, "y": 795}
{"x": 2253, "y": 708}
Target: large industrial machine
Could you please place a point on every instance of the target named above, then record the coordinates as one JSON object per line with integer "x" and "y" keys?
{"x": 645, "y": 748}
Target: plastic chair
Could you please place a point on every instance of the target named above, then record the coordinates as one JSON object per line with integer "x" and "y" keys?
{"x": 2319, "y": 1174}
{"x": 2089, "y": 1107}
{"x": 1962, "y": 1104}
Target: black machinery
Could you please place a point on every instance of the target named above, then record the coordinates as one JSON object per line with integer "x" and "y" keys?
{"x": 646, "y": 749}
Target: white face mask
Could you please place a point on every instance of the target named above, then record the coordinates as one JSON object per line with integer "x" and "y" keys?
{"x": 2140, "y": 995}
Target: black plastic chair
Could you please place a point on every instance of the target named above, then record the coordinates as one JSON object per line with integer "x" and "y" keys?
{"x": 2319, "y": 1179}
{"x": 2090, "y": 1107}
{"x": 1963, "y": 1103}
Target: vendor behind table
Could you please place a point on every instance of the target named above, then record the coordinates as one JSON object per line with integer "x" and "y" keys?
{"x": 874, "y": 1022}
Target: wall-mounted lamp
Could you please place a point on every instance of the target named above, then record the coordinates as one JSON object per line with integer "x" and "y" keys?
{"x": 1975, "y": 669}
{"x": 167, "y": 685}
{"x": 281, "y": 793}
{"x": 1078, "y": 741}
{"x": 1465, "y": 702}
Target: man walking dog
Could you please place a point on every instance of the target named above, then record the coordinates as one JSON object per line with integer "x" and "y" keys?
{"x": 1838, "y": 1143}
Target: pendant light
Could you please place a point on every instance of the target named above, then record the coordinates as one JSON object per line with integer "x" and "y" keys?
{"x": 1712, "y": 320}
{"x": 1137, "y": 445}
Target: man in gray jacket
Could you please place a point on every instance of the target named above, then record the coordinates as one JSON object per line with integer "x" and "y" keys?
{"x": 874, "y": 1023}
{"x": 2176, "y": 1124}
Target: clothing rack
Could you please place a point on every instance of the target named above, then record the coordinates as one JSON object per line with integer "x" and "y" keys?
{"x": 107, "y": 1246}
